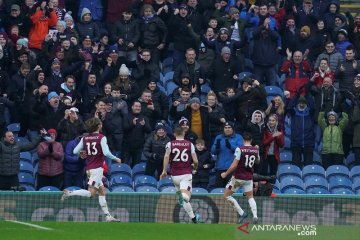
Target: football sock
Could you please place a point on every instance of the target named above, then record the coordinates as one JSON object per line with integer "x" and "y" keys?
{"x": 103, "y": 205}
{"x": 252, "y": 204}
{"x": 189, "y": 210}
{"x": 81, "y": 193}
{"x": 235, "y": 205}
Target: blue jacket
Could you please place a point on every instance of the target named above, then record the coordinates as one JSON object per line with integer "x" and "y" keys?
{"x": 72, "y": 162}
{"x": 302, "y": 124}
{"x": 225, "y": 156}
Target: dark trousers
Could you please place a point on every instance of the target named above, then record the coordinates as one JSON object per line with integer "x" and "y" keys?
{"x": 74, "y": 179}
{"x": 272, "y": 163}
{"x": 221, "y": 182}
{"x": 357, "y": 156}
{"x": 151, "y": 167}
{"x": 265, "y": 74}
{"x": 332, "y": 159}
{"x": 131, "y": 155}
{"x": 55, "y": 181}
{"x": 305, "y": 152}
{"x": 347, "y": 142}
{"x": 7, "y": 182}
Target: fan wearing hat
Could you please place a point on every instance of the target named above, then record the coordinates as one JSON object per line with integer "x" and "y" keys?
{"x": 50, "y": 154}
{"x": 87, "y": 26}
{"x": 343, "y": 41}
{"x": 224, "y": 147}
{"x": 70, "y": 126}
{"x": 332, "y": 149}
{"x": 154, "y": 150}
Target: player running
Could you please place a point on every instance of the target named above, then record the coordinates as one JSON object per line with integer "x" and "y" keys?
{"x": 243, "y": 164}
{"x": 181, "y": 154}
{"x": 95, "y": 148}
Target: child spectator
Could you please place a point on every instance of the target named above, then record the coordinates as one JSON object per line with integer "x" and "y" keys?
{"x": 201, "y": 174}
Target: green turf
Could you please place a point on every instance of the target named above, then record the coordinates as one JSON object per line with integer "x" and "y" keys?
{"x": 134, "y": 231}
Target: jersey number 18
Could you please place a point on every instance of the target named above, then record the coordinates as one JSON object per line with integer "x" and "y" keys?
{"x": 250, "y": 160}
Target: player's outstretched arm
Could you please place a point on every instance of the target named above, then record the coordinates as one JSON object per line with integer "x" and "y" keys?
{"x": 230, "y": 169}
{"x": 165, "y": 163}
{"x": 195, "y": 160}
{"x": 106, "y": 151}
{"x": 78, "y": 147}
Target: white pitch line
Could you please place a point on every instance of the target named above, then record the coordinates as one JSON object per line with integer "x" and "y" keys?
{"x": 30, "y": 225}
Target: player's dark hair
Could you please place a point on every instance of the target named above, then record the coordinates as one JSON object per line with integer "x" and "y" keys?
{"x": 178, "y": 131}
{"x": 200, "y": 141}
{"x": 247, "y": 136}
{"x": 92, "y": 124}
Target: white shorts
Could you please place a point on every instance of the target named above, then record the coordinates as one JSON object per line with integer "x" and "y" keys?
{"x": 234, "y": 185}
{"x": 183, "y": 182}
{"x": 95, "y": 177}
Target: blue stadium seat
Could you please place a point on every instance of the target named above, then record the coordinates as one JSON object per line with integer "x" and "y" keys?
{"x": 317, "y": 190}
{"x": 276, "y": 191}
{"x": 218, "y": 190}
{"x": 291, "y": 182}
{"x": 244, "y": 74}
{"x": 120, "y": 180}
{"x": 168, "y": 190}
{"x": 73, "y": 188}
{"x": 354, "y": 172}
{"x": 120, "y": 168}
{"x": 288, "y": 169}
{"x": 138, "y": 169}
{"x": 277, "y": 185}
{"x": 145, "y": 180}
{"x": 349, "y": 161}
{"x": 356, "y": 184}
{"x": 26, "y": 167}
{"x": 339, "y": 181}
{"x": 26, "y": 156}
{"x": 313, "y": 170}
{"x": 161, "y": 88}
{"x": 316, "y": 181}
{"x": 249, "y": 66}
{"x": 165, "y": 182}
{"x": 167, "y": 65}
{"x": 170, "y": 87}
{"x": 205, "y": 88}
{"x": 287, "y": 143}
{"x": 28, "y": 188}
{"x": 337, "y": 170}
{"x": 22, "y": 140}
{"x": 317, "y": 158}
{"x": 294, "y": 191}
{"x": 274, "y": 91}
{"x": 14, "y": 127}
{"x": 122, "y": 189}
{"x": 199, "y": 190}
{"x": 285, "y": 157}
{"x": 268, "y": 99}
{"x": 34, "y": 158}
{"x": 49, "y": 189}
{"x": 26, "y": 179}
{"x": 287, "y": 131}
{"x": 342, "y": 191}
{"x": 143, "y": 157}
{"x": 147, "y": 189}
{"x": 168, "y": 77}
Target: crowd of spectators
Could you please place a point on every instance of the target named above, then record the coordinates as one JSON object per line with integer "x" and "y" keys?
{"x": 63, "y": 62}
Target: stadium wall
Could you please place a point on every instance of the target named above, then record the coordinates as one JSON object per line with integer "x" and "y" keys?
{"x": 134, "y": 207}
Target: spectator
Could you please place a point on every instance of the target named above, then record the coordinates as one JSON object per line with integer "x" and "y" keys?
{"x": 273, "y": 141}
{"x": 306, "y": 43}
{"x": 322, "y": 72}
{"x": 73, "y": 165}
{"x": 9, "y": 162}
{"x": 136, "y": 126}
{"x": 127, "y": 35}
{"x": 297, "y": 71}
{"x": 228, "y": 100}
{"x": 207, "y": 54}
{"x": 16, "y": 17}
{"x": 348, "y": 69}
{"x": 355, "y": 34}
{"x": 87, "y": 26}
{"x": 128, "y": 88}
{"x": 70, "y": 126}
{"x": 301, "y": 111}
{"x": 160, "y": 100}
{"x": 51, "y": 155}
{"x": 149, "y": 108}
{"x": 305, "y": 15}
{"x": 154, "y": 150}
{"x": 4, "y": 103}
{"x": 289, "y": 35}
{"x": 224, "y": 147}
{"x": 216, "y": 115}
{"x": 277, "y": 107}
{"x": 356, "y": 122}
{"x": 93, "y": 6}
{"x": 189, "y": 134}
{"x": 342, "y": 42}
{"x": 184, "y": 84}
{"x": 333, "y": 57}
{"x": 68, "y": 88}
{"x": 206, "y": 163}
{"x": 332, "y": 149}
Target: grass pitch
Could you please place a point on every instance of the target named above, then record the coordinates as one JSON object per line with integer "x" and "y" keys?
{"x": 135, "y": 231}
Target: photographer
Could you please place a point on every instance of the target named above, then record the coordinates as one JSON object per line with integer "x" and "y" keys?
{"x": 70, "y": 126}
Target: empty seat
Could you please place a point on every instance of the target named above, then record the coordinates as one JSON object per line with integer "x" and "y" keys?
{"x": 168, "y": 77}
{"x": 168, "y": 190}
{"x": 288, "y": 169}
{"x": 145, "y": 180}
{"x": 339, "y": 181}
{"x": 343, "y": 191}
{"x": 138, "y": 169}
{"x": 317, "y": 190}
{"x": 291, "y": 182}
{"x": 337, "y": 170}
{"x": 165, "y": 182}
{"x": 28, "y": 188}
{"x": 243, "y": 75}
{"x": 292, "y": 190}
{"x": 26, "y": 167}
{"x": 313, "y": 170}
{"x": 287, "y": 143}
{"x": 49, "y": 189}
{"x": 14, "y": 127}
{"x": 122, "y": 189}
{"x": 277, "y": 185}
{"x": 274, "y": 91}
{"x": 147, "y": 189}
{"x": 26, "y": 179}
{"x": 356, "y": 184}
{"x": 199, "y": 190}
{"x": 26, "y": 156}
{"x": 170, "y": 87}
{"x": 354, "y": 172}
{"x": 205, "y": 88}
{"x": 316, "y": 181}
{"x": 285, "y": 157}
{"x": 218, "y": 190}
{"x": 120, "y": 168}
{"x": 120, "y": 180}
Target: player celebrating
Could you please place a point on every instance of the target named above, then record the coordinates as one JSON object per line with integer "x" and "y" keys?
{"x": 243, "y": 164}
{"x": 95, "y": 148}
{"x": 181, "y": 154}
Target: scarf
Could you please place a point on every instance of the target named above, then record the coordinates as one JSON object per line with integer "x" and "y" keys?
{"x": 148, "y": 19}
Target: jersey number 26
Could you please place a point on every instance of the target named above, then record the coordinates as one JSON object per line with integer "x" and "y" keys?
{"x": 183, "y": 155}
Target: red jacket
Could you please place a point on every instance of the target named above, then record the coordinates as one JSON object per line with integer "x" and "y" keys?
{"x": 40, "y": 28}
{"x": 50, "y": 164}
{"x": 319, "y": 80}
{"x": 278, "y": 143}
{"x": 296, "y": 75}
